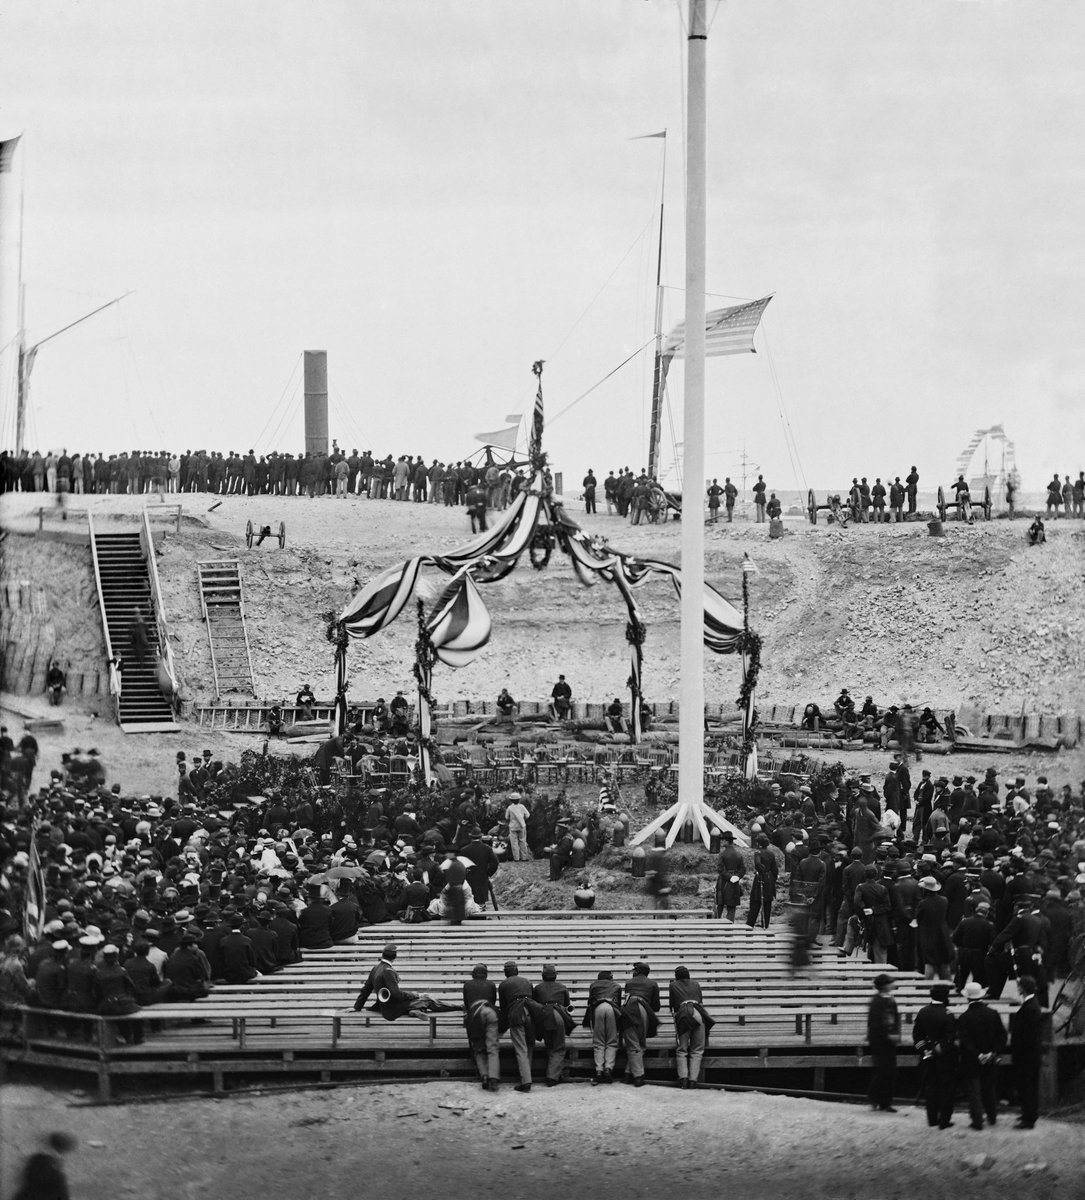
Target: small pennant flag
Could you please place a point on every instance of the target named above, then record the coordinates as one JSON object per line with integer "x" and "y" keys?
{"x": 505, "y": 439}
{"x": 514, "y": 418}
{"x": 727, "y": 330}
{"x": 641, "y": 136}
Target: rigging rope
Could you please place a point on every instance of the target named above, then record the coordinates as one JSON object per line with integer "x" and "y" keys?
{"x": 288, "y": 414}
{"x": 551, "y": 420}
{"x": 282, "y": 395}
{"x": 789, "y": 435}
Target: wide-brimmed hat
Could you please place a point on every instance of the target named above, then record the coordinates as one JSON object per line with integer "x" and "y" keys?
{"x": 930, "y": 884}
{"x": 974, "y": 991}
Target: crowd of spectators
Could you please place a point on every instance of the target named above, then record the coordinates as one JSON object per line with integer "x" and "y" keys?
{"x": 143, "y": 472}
{"x": 153, "y": 899}
{"x": 958, "y": 878}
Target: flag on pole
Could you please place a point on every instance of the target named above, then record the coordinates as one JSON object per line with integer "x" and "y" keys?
{"x": 641, "y": 136}
{"x": 537, "y": 415}
{"x": 727, "y": 331}
{"x": 34, "y": 907}
{"x": 514, "y": 418}
{"x": 7, "y": 153}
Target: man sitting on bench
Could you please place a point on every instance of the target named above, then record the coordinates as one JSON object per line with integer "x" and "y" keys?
{"x": 390, "y": 1000}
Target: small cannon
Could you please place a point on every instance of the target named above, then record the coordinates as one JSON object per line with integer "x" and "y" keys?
{"x": 840, "y": 511}
{"x": 963, "y": 504}
{"x": 264, "y": 532}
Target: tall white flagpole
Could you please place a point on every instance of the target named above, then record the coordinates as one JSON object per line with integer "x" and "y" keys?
{"x": 691, "y": 689}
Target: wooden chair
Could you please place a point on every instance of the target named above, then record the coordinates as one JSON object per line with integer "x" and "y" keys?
{"x": 399, "y": 771}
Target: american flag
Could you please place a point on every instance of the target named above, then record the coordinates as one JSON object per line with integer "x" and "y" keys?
{"x": 727, "y": 330}
{"x": 7, "y": 153}
{"x": 34, "y": 907}
{"x": 537, "y": 415}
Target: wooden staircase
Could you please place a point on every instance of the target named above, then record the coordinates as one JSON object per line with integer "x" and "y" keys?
{"x": 124, "y": 586}
{"x": 223, "y": 603}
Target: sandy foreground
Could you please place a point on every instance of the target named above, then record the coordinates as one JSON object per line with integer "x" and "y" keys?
{"x": 402, "y": 1141}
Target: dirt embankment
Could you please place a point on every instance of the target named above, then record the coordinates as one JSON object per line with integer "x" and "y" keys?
{"x": 975, "y": 617}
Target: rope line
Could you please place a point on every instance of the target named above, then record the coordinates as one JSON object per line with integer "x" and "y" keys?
{"x": 551, "y": 420}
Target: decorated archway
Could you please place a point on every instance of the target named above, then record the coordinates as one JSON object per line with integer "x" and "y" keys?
{"x": 457, "y": 626}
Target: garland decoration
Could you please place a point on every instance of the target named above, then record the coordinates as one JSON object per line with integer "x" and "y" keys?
{"x": 425, "y": 655}
{"x": 750, "y": 646}
{"x": 636, "y": 632}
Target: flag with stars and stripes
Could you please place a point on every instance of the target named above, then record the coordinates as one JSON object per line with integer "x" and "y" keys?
{"x": 727, "y": 331}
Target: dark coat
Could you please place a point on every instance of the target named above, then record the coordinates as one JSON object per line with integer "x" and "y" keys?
{"x": 238, "y": 958}
{"x": 315, "y": 926}
{"x": 1026, "y": 1033}
{"x": 384, "y": 975}
{"x": 979, "y": 1031}
{"x": 932, "y": 933}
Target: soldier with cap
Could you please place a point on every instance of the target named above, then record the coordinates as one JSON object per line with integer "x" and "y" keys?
{"x": 934, "y": 1036}
{"x": 603, "y": 1018}
{"x": 1019, "y": 948}
{"x": 730, "y": 867}
{"x": 883, "y": 1038}
{"x": 554, "y": 1019}
{"x": 481, "y": 1022}
{"x": 639, "y": 1020}
{"x": 981, "y": 1038}
{"x": 514, "y": 994}
{"x": 691, "y": 1026}
{"x": 973, "y": 938}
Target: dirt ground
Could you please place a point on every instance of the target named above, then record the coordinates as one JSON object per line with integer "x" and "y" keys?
{"x": 402, "y": 1141}
{"x": 976, "y": 617}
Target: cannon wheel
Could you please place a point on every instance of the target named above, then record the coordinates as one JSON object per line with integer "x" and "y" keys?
{"x": 248, "y": 534}
{"x": 282, "y": 534}
{"x": 812, "y": 507}
{"x": 986, "y": 503}
{"x": 941, "y": 503}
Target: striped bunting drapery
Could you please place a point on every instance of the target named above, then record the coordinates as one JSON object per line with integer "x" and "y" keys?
{"x": 493, "y": 553}
{"x": 459, "y": 626}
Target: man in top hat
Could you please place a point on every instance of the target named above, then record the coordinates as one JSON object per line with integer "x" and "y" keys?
{"x": 481, "y": 1022}
{"x": 934, "y": 1036}
{"x": 236, "y": 953}
{"x": 981, "y": 1038}
{"x": 514, "y": 994}
{"x": 883, "y": 1038}
{"x": 640, "y": 1020}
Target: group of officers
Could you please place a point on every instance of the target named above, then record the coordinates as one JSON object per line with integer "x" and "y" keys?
{"x": 958, "y": 1050}
{"x": 618, "y": 1014}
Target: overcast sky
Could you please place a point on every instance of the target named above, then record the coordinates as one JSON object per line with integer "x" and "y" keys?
{"x": 439, "y": 192}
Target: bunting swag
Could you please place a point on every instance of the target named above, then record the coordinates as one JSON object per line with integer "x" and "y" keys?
{"x": 34, "y": 905}
{"x": 459, "y": 626}
{"x": 455, "y": 632}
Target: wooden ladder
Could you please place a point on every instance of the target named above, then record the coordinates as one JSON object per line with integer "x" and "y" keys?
{"x": 222, "y": 601}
